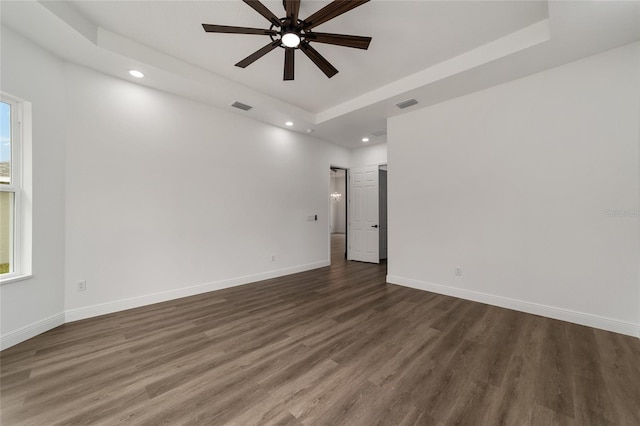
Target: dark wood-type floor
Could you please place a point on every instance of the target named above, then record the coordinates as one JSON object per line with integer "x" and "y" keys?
{"x": 332, "y": 346}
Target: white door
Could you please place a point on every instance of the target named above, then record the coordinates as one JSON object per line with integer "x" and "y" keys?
{"x": 363, "y": 233}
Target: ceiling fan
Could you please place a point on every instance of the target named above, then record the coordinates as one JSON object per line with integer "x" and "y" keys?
{"x": 292, "y": 33}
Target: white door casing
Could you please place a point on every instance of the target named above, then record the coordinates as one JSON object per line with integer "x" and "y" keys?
{"x": 363, "y": 215}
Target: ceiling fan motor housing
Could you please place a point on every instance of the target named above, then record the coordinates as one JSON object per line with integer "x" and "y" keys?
{"x": 287, "y": 28}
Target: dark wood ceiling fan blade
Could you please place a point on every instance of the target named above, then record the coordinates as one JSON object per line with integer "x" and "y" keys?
{"x": 264, "y": 11}
{"x": 289, "y": 64}
{"x": 292, "y": 8}
{"x": 357, "y": 42}
{"x": 330, "y": 11}
{"x": 318, "y": 59}
{"x": 236, "y": 30}
{"x": 258, "y": 54}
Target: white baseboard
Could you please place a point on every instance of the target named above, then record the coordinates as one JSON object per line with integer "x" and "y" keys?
{"x": 26, "y": 333}
{"x": 604, "y": 323}
{"x": 595, "y": 321}
{"x": 149, "y": 299}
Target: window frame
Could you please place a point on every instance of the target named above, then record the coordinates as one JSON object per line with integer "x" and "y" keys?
{"x": 20, "y": 258}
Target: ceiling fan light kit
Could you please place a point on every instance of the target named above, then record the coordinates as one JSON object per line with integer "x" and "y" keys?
{"x": 292, "y": 34}
{"x": 290, "y": 39}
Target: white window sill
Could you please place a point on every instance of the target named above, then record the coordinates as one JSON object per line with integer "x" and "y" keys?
{"x": 14, "y": 278}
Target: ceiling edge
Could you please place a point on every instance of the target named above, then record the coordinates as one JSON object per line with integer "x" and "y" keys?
{"x": 525, "y": 38}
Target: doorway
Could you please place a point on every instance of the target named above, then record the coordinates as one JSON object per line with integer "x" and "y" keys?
{"x": 338, "y": 214}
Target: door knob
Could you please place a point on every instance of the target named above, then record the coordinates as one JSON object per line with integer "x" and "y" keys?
{"x": 374, "y": 226}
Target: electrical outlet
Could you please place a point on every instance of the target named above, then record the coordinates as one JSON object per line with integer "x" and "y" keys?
{"x": 82, "y": 285}
{"x": 458, "y": 271}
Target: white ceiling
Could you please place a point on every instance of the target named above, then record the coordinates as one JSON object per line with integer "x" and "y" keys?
{"x": 403, "y": 40}
{"x": 428, "y": 50}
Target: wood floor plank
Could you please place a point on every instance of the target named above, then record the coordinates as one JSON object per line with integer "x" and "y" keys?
{"x": 555, "y": 389}
{"x": 336, "y": 345}
{"x": 621, "y": 369}
{"x": 593, "y": 407}
{"x": 515, "y": 396}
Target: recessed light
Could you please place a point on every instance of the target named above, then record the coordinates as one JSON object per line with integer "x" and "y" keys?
{"x": 289, "y": 123}
{"x": 309, "y": 130}
{"x": 136, "y": 73}
{"x": 365, "y": 139}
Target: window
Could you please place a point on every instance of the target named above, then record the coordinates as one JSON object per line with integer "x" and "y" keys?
{"x": 12, "y": 214}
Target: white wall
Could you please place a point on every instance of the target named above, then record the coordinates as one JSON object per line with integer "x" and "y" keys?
{"x": 368, "y": 155}
{"x": 512, "y": 184}
{"x": 31, "y": 306}
{"x": 167, "y": 197}
{"x": 164, "y": 197}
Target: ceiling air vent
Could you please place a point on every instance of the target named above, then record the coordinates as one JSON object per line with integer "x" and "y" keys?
{"x": 241, "y": 106}
{"x": 379, "y": 133}
{"x": 406, "y": 104}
